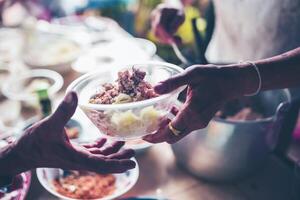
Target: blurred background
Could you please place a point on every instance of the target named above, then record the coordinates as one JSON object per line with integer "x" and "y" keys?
{"x": 74, "y": 37}
{"x": 46, "y": 44}
{"x": 132, "y": 15}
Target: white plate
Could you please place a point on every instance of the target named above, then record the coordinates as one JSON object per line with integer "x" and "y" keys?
{"x": 118, "y": 52}
{"x": 124, "y": 181}
{"x": 52, "y": 52}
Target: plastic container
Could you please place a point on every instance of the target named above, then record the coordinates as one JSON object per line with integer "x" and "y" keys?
{"x": 129, "y": 120}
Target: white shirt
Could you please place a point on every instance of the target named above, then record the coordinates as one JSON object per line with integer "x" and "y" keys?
{"x": 254, "y": 29}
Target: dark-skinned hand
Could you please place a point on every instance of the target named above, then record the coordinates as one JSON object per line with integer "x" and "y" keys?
{"x": 209, "y": 87}
{"x": 45, "y": 144}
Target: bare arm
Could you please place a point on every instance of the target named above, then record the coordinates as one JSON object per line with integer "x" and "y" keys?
{"x": 210, "y": 86}
{"x": 281, "y": 71}
{"x": 45, "y": 144}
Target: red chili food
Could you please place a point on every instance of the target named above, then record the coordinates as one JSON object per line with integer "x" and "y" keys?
{"x": 85, "y": 185}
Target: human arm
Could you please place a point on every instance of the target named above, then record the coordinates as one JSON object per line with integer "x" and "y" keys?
{"x": 211, "y": 86}
{"x": 45, "y": 144}
{"x": 166, "y": 18}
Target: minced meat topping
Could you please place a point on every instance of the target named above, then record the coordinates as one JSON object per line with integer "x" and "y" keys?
{"x": 129, "y": 87}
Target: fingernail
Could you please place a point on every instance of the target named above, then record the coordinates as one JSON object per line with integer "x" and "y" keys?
{"x": 69, "y": 98}
{"x": 159, "y": 88}
{"x": 132, "y": 165}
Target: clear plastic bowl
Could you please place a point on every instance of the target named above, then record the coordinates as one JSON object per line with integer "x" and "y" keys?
{"x": 129, "y": 120}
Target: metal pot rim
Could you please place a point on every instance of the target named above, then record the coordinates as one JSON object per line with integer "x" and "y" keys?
{"x": 268, "y": 119}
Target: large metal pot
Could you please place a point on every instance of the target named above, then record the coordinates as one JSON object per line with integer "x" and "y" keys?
{"x": 227, "y": 150}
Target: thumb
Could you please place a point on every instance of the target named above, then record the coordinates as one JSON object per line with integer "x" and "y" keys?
{"x": 172, "y": 83}
{"x": 64, "y": 111}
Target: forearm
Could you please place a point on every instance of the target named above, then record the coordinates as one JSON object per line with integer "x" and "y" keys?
{"x": 11, "y": 163}
{"x": 282, "y": 71}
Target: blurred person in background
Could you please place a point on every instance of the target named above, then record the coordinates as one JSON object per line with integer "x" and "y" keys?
{"x": 197, "y": 11}
{"x": 244, "y": 30}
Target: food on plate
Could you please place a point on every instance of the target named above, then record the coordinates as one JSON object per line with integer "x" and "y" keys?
{"x": 130, "y": 87}
{"x": 85, "y": 185}
{"x": 241, "y": 110}
{"x": 36, "y": 84}
{"x": 57, "y": 51}
{"x": 72, "y": 132}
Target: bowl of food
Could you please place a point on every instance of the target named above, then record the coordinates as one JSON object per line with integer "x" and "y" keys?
{"x": 23, "y": 88}
{"x": 72, "y": 185}
{"x": 52, "y": 52}
{"x": 121, "y": 102}
{"x": 106, "y": 54}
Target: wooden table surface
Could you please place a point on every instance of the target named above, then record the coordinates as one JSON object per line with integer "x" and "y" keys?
{"x": 161, "y": 177}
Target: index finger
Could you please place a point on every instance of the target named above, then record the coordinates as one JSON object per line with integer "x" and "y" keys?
{"x": 102, "y": 164}
{"x": 117, "y": 165}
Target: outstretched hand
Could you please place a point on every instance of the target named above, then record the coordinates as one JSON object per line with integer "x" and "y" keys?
{"x": 209, "y": 87}
{"x": 45, "y": 144}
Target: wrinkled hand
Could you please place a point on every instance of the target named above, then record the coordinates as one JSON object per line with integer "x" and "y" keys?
{"x": 45, "y": 144}
{"x": 165, "y": 22}
{"x": 209, "y": 87}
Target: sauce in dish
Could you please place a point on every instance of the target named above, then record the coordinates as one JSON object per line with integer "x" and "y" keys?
{"x": 85, "y": 185}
